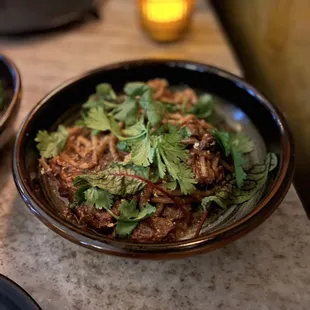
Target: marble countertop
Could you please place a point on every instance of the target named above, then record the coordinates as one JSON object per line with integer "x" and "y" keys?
{"x": 267, "y": 269}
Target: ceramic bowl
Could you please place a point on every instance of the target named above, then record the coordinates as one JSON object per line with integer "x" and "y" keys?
{"x": 243, "y": 107}
{"x": 11, "y": 82}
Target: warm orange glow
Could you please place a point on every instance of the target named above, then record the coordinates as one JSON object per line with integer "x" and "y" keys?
{"x": 165, "y": 20}
{"x": 163, "y": 11}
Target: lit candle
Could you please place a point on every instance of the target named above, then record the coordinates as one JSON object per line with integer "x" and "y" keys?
{"x": 165, "y": 20}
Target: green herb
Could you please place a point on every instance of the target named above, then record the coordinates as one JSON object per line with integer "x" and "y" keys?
{"x": 242, "y": 143}
{"x": 98, "y": 197}
{"x": 51, "y": 144}
{"x": 142, "y": 153}
{"x": 123, "y": 146}
{"x": 171, "y": 155}
{"x": 116, "y": 179}
{"x": 103, "y": 97}
{"x": 105, "y": 91}
{"x": 130, "y": 216}
{"x": 204, "y": 107}
{"x": 127, "y": 111}
{"x": 79, "y": 196}
{"x": 95, "y": 101}
{"x": 235, "y": 145}
{"x": 223, "y": 139}
{"x": 171, "y": 107}
{"x": 137, "y": 130}
{"x": 153, "y": 109}
{"x": 239, "y": 162}
{"x": 172, "y": 185}
{"x": 135, "y": 89}
{"x": 97, "y": 119}
{"x": 125, "y": 229}
{"x": 1, "y": 96}
{"x": 231, "y": 194}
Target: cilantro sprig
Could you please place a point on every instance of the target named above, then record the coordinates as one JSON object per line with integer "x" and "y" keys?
{"x": 51, "y": 144}
{"x": 236, "y": 146}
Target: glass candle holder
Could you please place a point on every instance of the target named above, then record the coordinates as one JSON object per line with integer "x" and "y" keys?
{"x": 165, "y": 20}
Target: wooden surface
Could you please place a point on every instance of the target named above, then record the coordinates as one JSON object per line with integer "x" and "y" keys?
{"x": 273, "y": 42}
{"x": 267, "y": 269}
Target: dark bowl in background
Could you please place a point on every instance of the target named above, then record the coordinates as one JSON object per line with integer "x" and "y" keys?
{"x": 26, "y": 16}
{"x": 51, "y": 110}
{"x": 11, "y": 81}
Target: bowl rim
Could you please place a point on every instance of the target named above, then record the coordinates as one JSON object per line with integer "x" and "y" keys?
{"x": 16, "y": 77}
{"x": 179, "y": 248}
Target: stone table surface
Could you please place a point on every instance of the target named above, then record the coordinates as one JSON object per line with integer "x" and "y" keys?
{"x": 267, "y": 269}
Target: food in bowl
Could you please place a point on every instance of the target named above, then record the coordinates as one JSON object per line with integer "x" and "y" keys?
{"x": 149, "y": 165}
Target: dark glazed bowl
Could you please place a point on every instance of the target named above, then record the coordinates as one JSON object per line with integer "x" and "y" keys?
{"x": 14, "y": 297}
{"x": 249, "y": 104}
{"x": 10, "y": 78}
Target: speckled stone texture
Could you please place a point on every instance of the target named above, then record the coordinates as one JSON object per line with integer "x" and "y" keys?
{"x": 267, "y": 269}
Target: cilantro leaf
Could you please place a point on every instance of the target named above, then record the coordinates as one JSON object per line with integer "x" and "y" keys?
{"x": 153, "y": 109}
{"x": 127, "y": 111}
{"x": 239, "y": 162}
{"x": 134, "y": 89}
{"x": 117, "y": 179}
{"x": 223, "y": 139}
{"x": 172, "y": 185}
{"x": 123, "y": 146}
{"x": 231, "y": 194}
{"x": 105, "y": 91}
{"x": 130, "y": 213}
{"x": 130, "y": 216}
{"x": 103, "y": 97}
{"x": 1, "y": 96}
{"x": 136, "y": 130}
{"x": 51, "y": 144}
{"x": 79, "y": 196}
{"x": 171, "y": 156}
{"x": 98, "y": 197}
{"x": 128, "y": 209}
{"x": 125, "y": 229}
{"x": 204, "y": 107}
{"x": 95, "y": 101}
{"x": 242, "y": 143}
{"x": 142, "y": 153}
{"x": 97, "y": 119}
{"x": 235, "y": 145}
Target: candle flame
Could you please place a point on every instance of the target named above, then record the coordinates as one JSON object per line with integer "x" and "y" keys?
{"x": 164, "y": 11}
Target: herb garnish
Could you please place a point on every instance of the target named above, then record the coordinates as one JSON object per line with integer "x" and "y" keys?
{"x": 236, "y": 146}
{"x": 51, "y": 144}
{"x": 130, "y": 215}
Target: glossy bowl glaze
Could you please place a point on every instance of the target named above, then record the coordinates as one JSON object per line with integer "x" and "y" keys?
{"x": 11, "y": 80}
{"x": 243, "y": 105}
